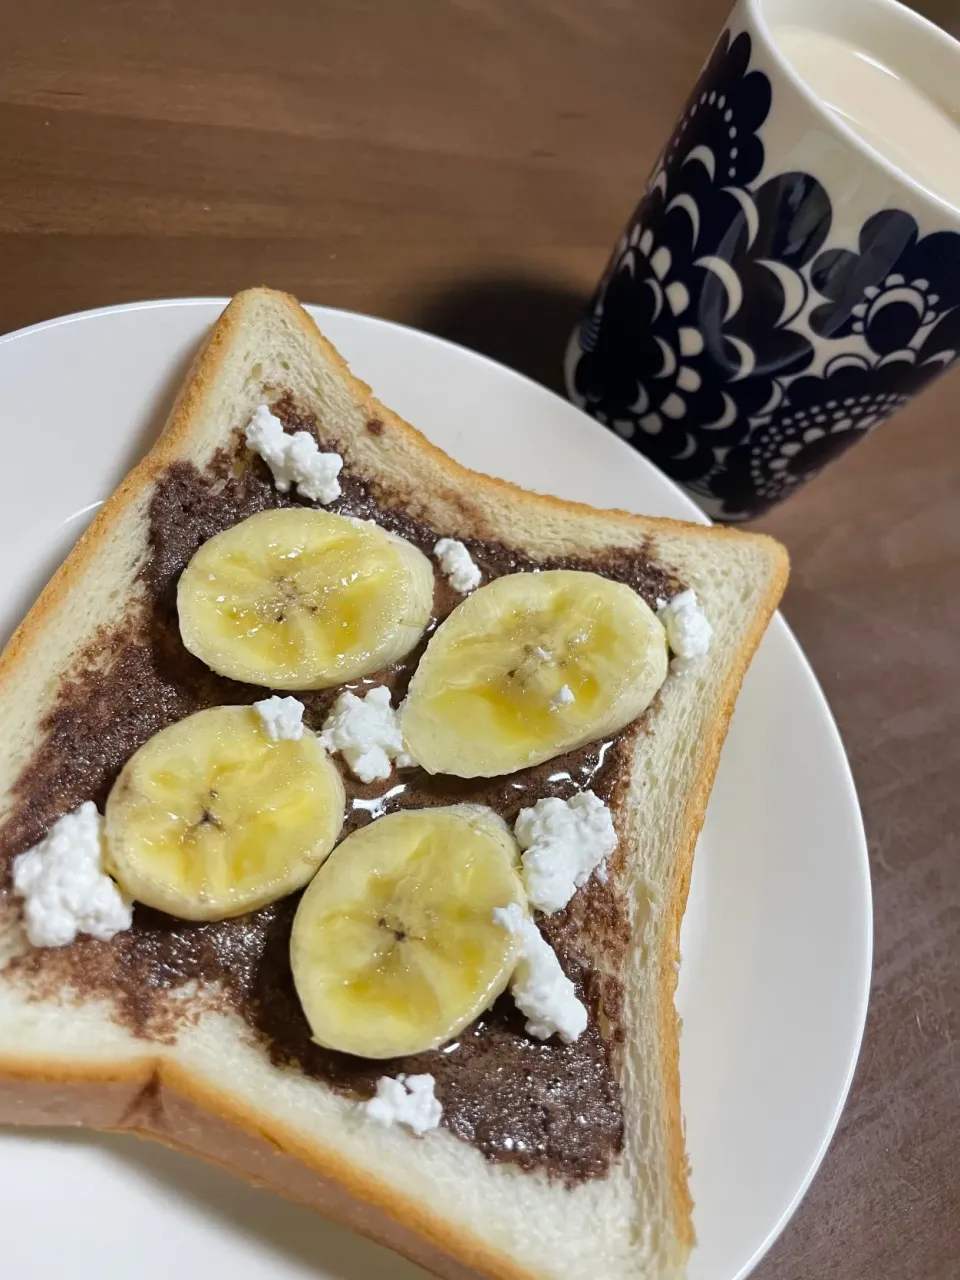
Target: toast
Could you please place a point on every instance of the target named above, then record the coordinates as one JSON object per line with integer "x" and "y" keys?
{"x": 183, "y": 1033}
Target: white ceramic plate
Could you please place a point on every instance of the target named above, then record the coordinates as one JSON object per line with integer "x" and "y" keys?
{"x": 777, "y": 937}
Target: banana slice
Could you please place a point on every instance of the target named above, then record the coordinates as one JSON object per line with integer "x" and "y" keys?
{"x": 394, "y": 947}
{"x": 303, "y": 599}
{"x": 530, "y": 666}
{"x": 211, "y": 817}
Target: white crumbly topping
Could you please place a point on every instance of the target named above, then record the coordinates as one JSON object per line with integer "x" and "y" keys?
{"x": 563, "y": 697}
{"x": 294, "y": 459}
{"x": 565, "y": 841}
{"x": 366, "y": 732}
{"x": 540, "y": 988}
{"x": 457, "y": 565}
{"x": 63, "y": 886}
{"x": 405, "y": 1100}
{"x": 282, "y": 717}
{"x": 688, "y": 631}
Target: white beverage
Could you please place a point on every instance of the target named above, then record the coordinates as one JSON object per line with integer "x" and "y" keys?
{"x": 894, "y": 115}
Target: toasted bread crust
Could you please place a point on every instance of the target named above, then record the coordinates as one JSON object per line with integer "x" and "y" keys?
{"x": 670, "y": 944}
{"x": 160, "y": 1100}
{"x": 154, "y": 1095}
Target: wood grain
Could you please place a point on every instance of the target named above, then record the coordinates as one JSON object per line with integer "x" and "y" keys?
{"x": 466, "y": 166}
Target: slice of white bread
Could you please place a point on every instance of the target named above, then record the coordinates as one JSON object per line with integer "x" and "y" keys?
{"x": 210, "y": 1087}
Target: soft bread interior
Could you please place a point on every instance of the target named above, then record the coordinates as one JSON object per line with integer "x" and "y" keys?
{"x": 435, "y": 1199}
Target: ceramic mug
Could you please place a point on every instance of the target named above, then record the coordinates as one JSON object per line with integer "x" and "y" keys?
{"x": 782, "y": 288}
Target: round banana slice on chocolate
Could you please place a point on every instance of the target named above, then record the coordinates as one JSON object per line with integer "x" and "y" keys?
{"x": 303, "y": 599}
{"x": 215, "y": 816}
{"x": 395, "y": 948}
{"x": 530, "y": 666}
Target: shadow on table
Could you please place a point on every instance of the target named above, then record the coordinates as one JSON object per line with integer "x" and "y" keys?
{"x": 522, "y": 322}
{"x": 287, "y": 1229}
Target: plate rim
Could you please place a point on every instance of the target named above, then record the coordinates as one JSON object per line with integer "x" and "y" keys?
{"x": 778, "y": 626}
{"x": 695, "y": 514}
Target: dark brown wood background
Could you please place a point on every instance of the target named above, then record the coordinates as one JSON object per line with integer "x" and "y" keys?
{"x": 464, "y": 166}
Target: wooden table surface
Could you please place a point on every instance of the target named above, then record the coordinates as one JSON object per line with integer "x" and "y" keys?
{"x": 464, "y": 166}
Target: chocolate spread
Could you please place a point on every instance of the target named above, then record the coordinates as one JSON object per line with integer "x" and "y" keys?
{"x": 537, "y": 1105}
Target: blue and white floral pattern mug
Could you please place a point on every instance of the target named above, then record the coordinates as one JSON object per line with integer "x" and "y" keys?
{"x": 781, "y": 289}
